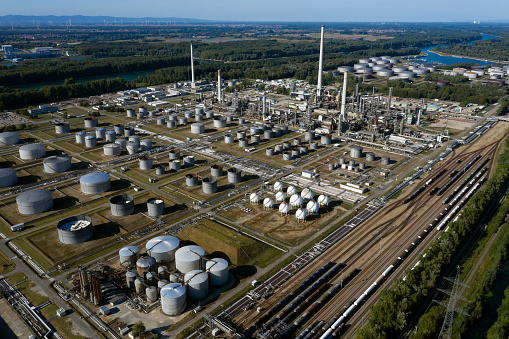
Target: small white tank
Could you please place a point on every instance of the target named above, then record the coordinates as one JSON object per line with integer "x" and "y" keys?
{"x": 254, "y": 198}
{"x": 280, "y": 196}
{"x": 284, "y": 208}
{"x": 291, "y": 190}
{"x": 197, "y": 282}
{"x": 307, "y": 194}
{"x": 278, "y": 186}
{"x": 218, "y": 271}
{"x": 268, "y": 203}
{"x": 295, "y": 200}
{"x": 300, "y": 215}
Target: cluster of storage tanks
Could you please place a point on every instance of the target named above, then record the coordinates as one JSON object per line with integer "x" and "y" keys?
{"x": 256, "y": 134}
{"x": 209, "y": 183}
{"x": 172, "y": 273}
{"x": 303, "y": 203}
{"x": 173, "y": 120}
{"x": 175, "y": 162}
{"x": 356, "y": 152}
{"x": 385, "y": 66}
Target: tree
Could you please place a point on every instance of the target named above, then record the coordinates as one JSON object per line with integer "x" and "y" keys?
{"x": 65, "y": 115}
{"x": 138, "y": 329}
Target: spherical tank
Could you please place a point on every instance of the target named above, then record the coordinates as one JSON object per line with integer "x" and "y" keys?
{"x": 91, "y": 122}
{"x": 62, "y": 128}
{"x": 155, "y": 207}
{"x": 145, "y": 264}
{"x": 189, "y": 258}
{"x": 32, "y": 151}
{"x": 128, "y": 255}
{"x": 268, "y": 203}
{"x": 219, "y": 122}
{"x": 95, "y": 183}
{"x": 191, "y": 180}
{"x": 356, "y": 152}
{"x": 74, "y": 230}
{"x": 216, "y": 170}
{"x": 57, "y": 164}
{"x": 122, "y": 205}
{"x": 284, "y": 208}
{"x": 8, "y": 177}
{"x": 280, "y": 196}
{"x": 90, "y": 141}
{"x": 197, "y": 282}
{"x": 254, "y": 198}
{"x": 234, "y": 175}
{"x": 173, "y": 299}
{"x": 197, "y": 128}
{"x": 209, "y": 185}
{"x": 323, "y": 200}
{"x": 163, "y": 248}
{"x": 100, "y": 133}
{"x": 307, "y": 194}
{"x": 300, "y": 214}
{"x": 145, "y": 163}
{"x": 189, "y": 160}
{"x": 312, "y": 207}
{"x": 33, "y": 202}
{"x": 111, "y": 150}
{"x": 218, "y": 271}
{"x": 9, "y": 138}
{"x": 291, "y": 190}
{"x": 296, "y": 200}
{"x": 278, "y": 186}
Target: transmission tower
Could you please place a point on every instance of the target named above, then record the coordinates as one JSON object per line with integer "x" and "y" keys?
{"x": 454, "y": 296}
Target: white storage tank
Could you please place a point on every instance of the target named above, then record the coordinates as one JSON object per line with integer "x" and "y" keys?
{"x": 284, "y": 208}
{"x": 197, "y": 282}
{"x": 278, "y": 186}
{"x": 162, "y": 248}
{"x": 90, "y": 141}
{"x": 9, "y": 138}
{"x": 33, "y": 202}
{"x": 218, "y": 271}
{"x": 189, "y": 258}
{"x": 128, "y": 255}
{"x": 307, "y": 194}
{"x": 280, "y": 196}
{"x": 32, "y": 151}
{"x": 295, "y": 200}
{"x": 95, "y": 183}
{"x": 111, "y": 150}
{"x": 57, "y": 164}
{"x": 173, "y": 299}
{"x": 254, "y": 198}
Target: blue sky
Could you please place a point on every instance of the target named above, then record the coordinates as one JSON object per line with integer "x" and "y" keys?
{"x": 273, "y": 10}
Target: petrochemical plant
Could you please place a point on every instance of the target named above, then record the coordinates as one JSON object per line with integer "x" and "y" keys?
{"x": 159, "y": 209}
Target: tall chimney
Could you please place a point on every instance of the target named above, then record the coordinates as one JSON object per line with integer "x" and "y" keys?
{"x": 219, "y": 94}
{"x": 320, "y": 67}
{"x": 343, "y": 100}
{"x": 192, "y": 66}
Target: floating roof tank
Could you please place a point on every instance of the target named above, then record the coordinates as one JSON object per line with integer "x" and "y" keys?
{"x": 191, "y": 180}
{"x": 91, "y": 122}
{"x": 128, "y": 131}
{"x": 241, "y": 134}
{"x": 189, "y": 258}
{"x": 197, "y": 283}
{"x": 163, "y": 248}
{"x": 161, "y": 121}
{"x": 234, "y": 175}
{"x": 128, "y": 255}
{"x": 385, "y": 73}
{"x": 62, "y": 128}
{"x": 209, "y": 185}
{"x": 57, "y": 164}
{"x": 74, "y": 230}
{"x": 90, "y": 141}
{"x": 182, "y": 121}
{"x": 370, "y": 156}
{"x": 34, "y": 202}
{"x": 8, "y": 177}
{"x": 32, "y": 151}
{"x": 95, "y": 183}
{"x": 218, "y": 271}
{"x": 216, "y": 170}
{"x": 9, "y": 138}
{"x": 122, "y": 205}
{"x": 155, "y": 207}
{"x": 243, "y": 142}
{"x": 160, "y": 169}
{"x": 229, "y": 139}
{"x": 344, "y": 69}
{"x": 269, "y": 152}
{"x": 255, "y": 138}
{"x": 385, "y": 160}
{"x": 173, "y": 299}
{"x": 131, "y": 113}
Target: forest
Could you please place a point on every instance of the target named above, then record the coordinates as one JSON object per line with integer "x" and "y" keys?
{"x": 493, "y": 49}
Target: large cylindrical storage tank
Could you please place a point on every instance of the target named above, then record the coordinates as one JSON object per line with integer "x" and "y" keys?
{"x": 135, "y": 139}
{"x": 287, "y": 156}
{"x": 420, "y": 71}
{"x": 62, "y": 128}
{"x": 174, "y": 165}
{"x": 171, "y": 124}
{"x": 229, "y": 118}
{"x": 189, "y": 258}
{"x": 145, "y": 264}
{"x": 162, "y": 248}
{"x": 155, "y": 207}
{"x": 303, "y": 150}
{"x": 309, "y": 136}
{"x": 90, "y": 141}
{"x": 219, "y": 122}
{"x": 122, "y": 143}
{"x": 325, "y": 139}
{"x": 132, "y": 147}
{"x": 122, "y": 205}
{"x": 111, "y": 136}
{"x": 174, "y": 155}
{"x": 197, "y": 128}
{"x": 209, "y": 185}
{"x": 295, "y": 152}
{"x": 376, "y": 68}
{"x": 111, "y": 150}
{"x": 218, "y": 271}
{"x": 191, "y": 180}
{"x": 276, "y": 132}
{"x": 209, "y": 114}
{"x": 128, "y": 255}
{"x": 254, "y": 130}
{"x": 161, "y": 121}
{"x": 80, "y": 137}
{"x": 100, "y": 133}
{"x": 362, "y": 165}
{"x": 370, "y": 156}
{"x": 234, "y": 176}
{"x": 255, "y": 138}
{"x": 344, "y": 69}
{"x": 385, "y": 73}
{"x": 399, "y": 69}
{"x": 160, "y": 170}
{"x": 128, "y": 131}
{"x": 189, "y": 115}
{"x": 356, "y": 152}
{"x": 57, "y": 164}
{"x": 95, "y": 183}
{"x": 407, "y": 75}
{"x": 197, "y": 283}
{"x": 74, "y": 230}
{"x": 216, "y": 170}
{"x": 91, "y": 122}
{"x": 119, "y": 129}
{"x": 385, "y": 160}
{"x": 145, "y": 163}
{"x": 130, "y": 277}
{"x": 173, "y": 117}
{"x": 313, "y": 146}
{"x": 243, "y": 142}
{"x": 198, "y": 111}
{"x": 364, "y": 60}
{"x": 278, "y": 148}
{"x": 229, "y": 139}
{"x": 143, "y": 110}
{"x": 8, "y": 177}
{"x": 9, "y": 138}
{"x": 189, "y": 160}
{"x": 173, "y": 299}
{"x": 269, "y": 152}
{"x": 297, "y": 141}
{"x": 267, "y": 134}
{"x": 198, "y": 117}
{"x": 146, "y": 144}
{"x": 131, "y": 113}
{"x": 32, "y": 151}
{"x": 33, "y": 202}
{"x": 182, "y": 121}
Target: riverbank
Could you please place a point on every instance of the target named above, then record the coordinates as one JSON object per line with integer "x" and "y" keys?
{"x": 467, "y": 57}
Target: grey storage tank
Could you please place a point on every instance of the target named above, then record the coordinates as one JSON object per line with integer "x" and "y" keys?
{"x": 174, "y": 155}
{"x": 62, "y": 128}
{"x": 131, "y": 113}
{"x": 219, "y": 122}
{"x": 209, "y": 185}
{"x": 303, "y": 150}
{"x": 234, "y": 176}
{"x": 9, "y": 138}
{"x": 173, "y": 299}
{"x": 198, "y": 117}
{"x": 325, "y": 139}
{"x": 146, "y": 144}
{"x": 255, "y": 138}
{"x": 174, "y": 165}
{"x": 74, "y": 230}
{"x": 57, "y": 164}
{"x": 197, "y": 128}
{"x": 189, "y": 160}
{"x": 32, "y": 151}
{"x": 297, "y": 141}
{"x": 122, "y": 205}
{"x": 229, "y": 139}
{"x": 182, "y": 121}
{"x": 269, "y": 152}
{"x": 145, "y": 163}
{"x": 95, "y": 183}
{"x": 313, "y": 146}
{"x": 287, "y": 156}
{"x": 143, "y": 110}
{"x": 34, "y": 202}
{"x": 362, "y": 165}
{"x": 197, "y": 283}
{"x": 155, "y": 207}
{"x": 80, "y": 137}
{"x": 356, "y": 152}
{"x": 160, "y": 170}
{"x": 151, "y": 292}
{"x": 267, "y": 134}
{"x": 111, "y": 150}
{"x": 91, "y": 122}
{"x": 198, "y": 111}
{"x": 276, "y": 132}
{"x": 278, "y": 149}
{"x": 128, "y": 131}
{"x": 139, "y": 285}
{"x": 370, "y": 156}
{"x": 100, "y": 133}
{"x": 128, "y": 255}
{"x": 172, "y": 117}
{"x": 218, "y": 271}
{"x": 90, "y": 141}
{"x": 130, "y": 277}
{"x": 122, "y": 143}
{"x": 132, "y": 147}
{"x": 209, "y": 114}
{"x": 145, "y": 264}
{"x": 111, "y": 136}
{"x": 189, "y": 258}
{"x": 8, "y": 177}
{"x": 216, "y": 170}
{"x": 161, "y": 121}
{"x": 385, "y": 160}
{"x": 191, "y": 180}
{"x": 171, "y": 124}
{"x": 309, "y": 136}
{"x": 163, "y": 248}
{"x": 119, "y": 129}
{"x": 189, "y": 115}
{"x": 243, "y": 142}
{"x": 242, "y": 121}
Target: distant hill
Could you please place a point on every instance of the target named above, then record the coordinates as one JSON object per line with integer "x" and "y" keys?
{"x": 45, "y": 20}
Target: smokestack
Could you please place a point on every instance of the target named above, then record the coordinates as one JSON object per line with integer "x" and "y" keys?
{"x": 264, "y": 106}
{"x": 390, "y": 100}
{"x": 342, "y": 117}
{"x": 192, "y": 66}
{"x": 320, "y": 67}
{"x": 219, "y": 94}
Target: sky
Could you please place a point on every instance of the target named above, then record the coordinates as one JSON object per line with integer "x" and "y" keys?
{"x": 274, "y": 10}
